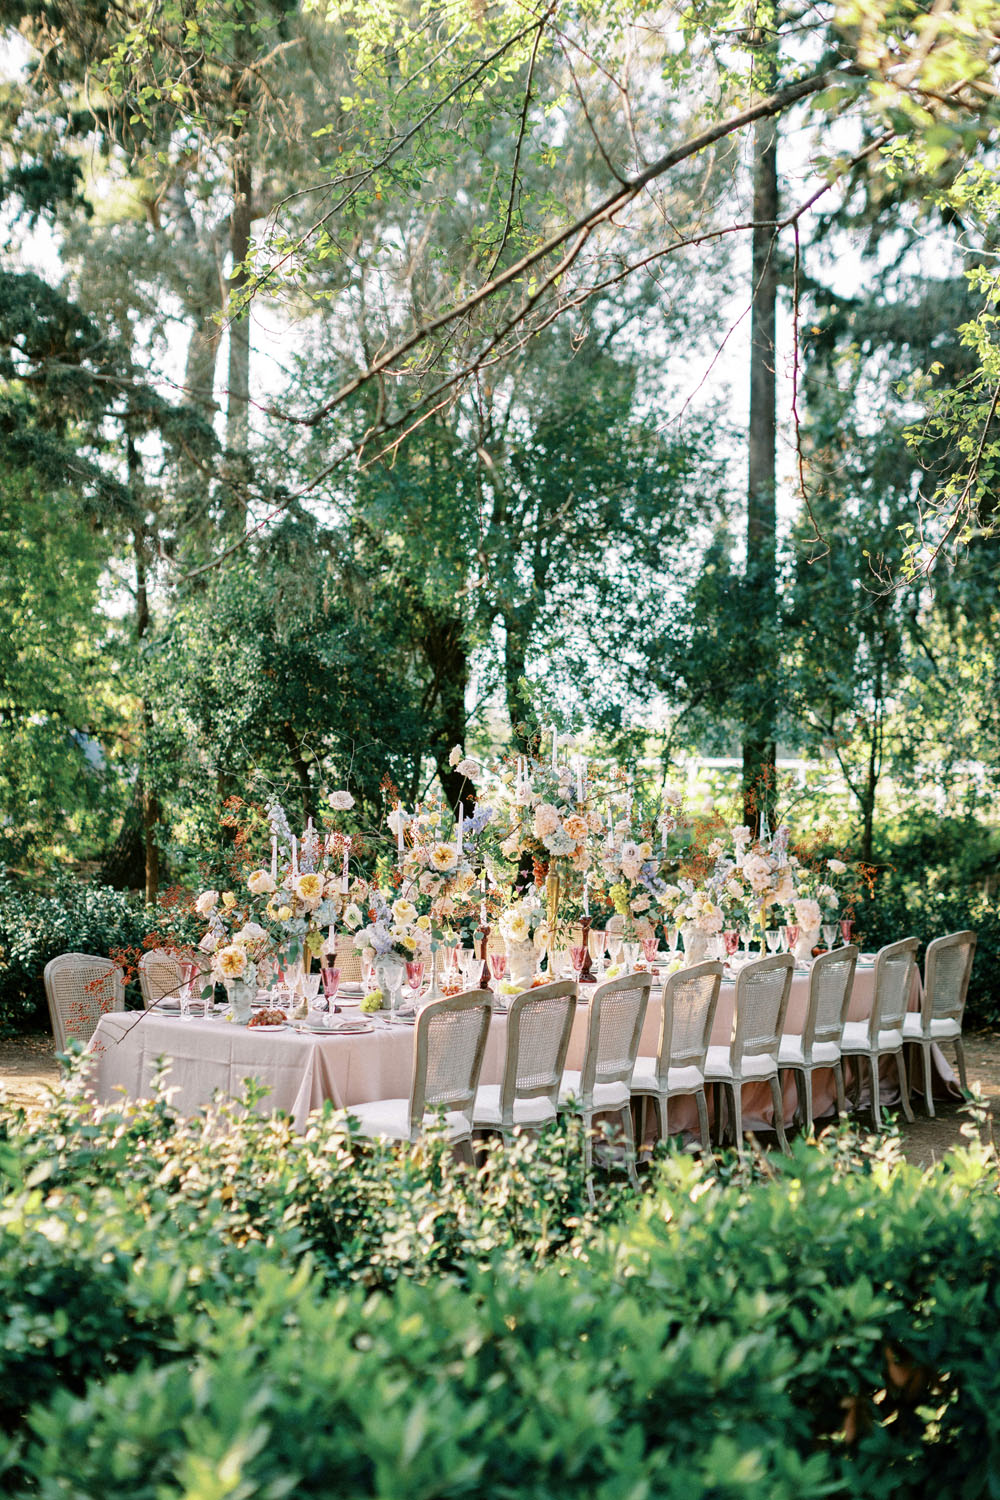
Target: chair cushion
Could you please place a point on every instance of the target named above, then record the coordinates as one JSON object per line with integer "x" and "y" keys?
{"x": 389, "y": 1119}
{"x": 486, "y": 1110}
{"x": 792, "y": 1055}
{"x": 679, "y": 1080}
{"x": 944, "y": 1028}
{"x": 718, "y": 1065}
{"x": 606, "y": 1095}
{"x": 855, "y": 1039}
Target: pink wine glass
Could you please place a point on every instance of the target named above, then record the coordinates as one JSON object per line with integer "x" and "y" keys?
{"x": 794, "y": 934}
{"x": 415, "y": 974}
{"x": 731, "y": 941}
{"x": 498, "y": 966}
{"x": 649, "y": 947}
{"x": 846, "y": 928}
{"x": 331, "y": 983}
{"x": 577, "y": 957}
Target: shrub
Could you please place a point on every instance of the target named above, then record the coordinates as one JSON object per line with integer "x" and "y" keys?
{"x": 72, "y": 916}
{"x": 826, "y": 1331}
{"x": 893, "y": 913}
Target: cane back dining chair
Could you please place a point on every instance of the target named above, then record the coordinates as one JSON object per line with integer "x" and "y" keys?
{"x": 690, "y": 998}
{"x": 762, "y": 990}
{"x": 449, "y": 1039}
{"x": 947, "y": 967}
{"x": 80, "y": 989}
{"x": 831, "y": 981}
{"x": 539, "y": 1023}
{"x": 159, "y": 976}
{"x": 603, "y": 1084}
{"x": 881, "y": 1035}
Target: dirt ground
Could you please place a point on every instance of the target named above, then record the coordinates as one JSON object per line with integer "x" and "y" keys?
{"x": 28, "y": 1065}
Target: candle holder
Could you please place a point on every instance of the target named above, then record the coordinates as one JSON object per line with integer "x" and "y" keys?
{"x": 587, "y": 975}
{"x": 484, "y": 977}
{"x": 434, "y": 992}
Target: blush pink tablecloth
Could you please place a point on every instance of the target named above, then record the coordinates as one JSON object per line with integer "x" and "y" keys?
{"x": 301, "y": 1070}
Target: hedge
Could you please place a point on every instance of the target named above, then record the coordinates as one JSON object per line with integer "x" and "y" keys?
{"x": 259, "y": 1315}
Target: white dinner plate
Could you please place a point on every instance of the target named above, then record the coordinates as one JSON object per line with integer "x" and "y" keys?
{"x": 276, "y": 1026}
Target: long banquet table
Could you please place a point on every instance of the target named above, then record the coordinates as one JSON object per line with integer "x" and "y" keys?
{"x": 301, "y": 1070}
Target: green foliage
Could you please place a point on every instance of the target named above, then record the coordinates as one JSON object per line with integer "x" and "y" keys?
{"x": 825, "y": 1330}
{"x": 70, "y": 916}
{"x": 894, "y": 912}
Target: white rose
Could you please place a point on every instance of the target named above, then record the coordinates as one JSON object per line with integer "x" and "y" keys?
{"x": 837, "y": 866}
{"x": 260, "y": 883}
{"x": 404, "y": 911}
{"x": 206, "y": 902}
{"x": 340, "y": 801}
{"x": 455, "y": 756}
{"x": 250, "y": 932}
{"x": 470, "y": 769}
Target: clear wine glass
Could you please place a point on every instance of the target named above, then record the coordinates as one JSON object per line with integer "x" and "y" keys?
{"x": 614, "y": 946}
{"x": 772, "y": 937}
{"x": 309, "y": 987}
{"x": 631, "y": 952}
{"x": 472, "y": 967}
{"x": 746, "y": 938}
{"x": 673, "y": 937}
{"x": 829, "y": 930}
{"x": 190, "y": 989}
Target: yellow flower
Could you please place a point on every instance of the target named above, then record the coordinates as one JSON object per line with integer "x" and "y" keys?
{"x": 228, "y": 900}
{"x": 308, "y": 888}
{"x": 404, "y": 911}
{"x": 259, "y": 883}
{"x": 231, "y": 962}
{"x": 646, "y": 849}
{"x": 424, "y": 923}
{"x": 284, "y": 912}
{"x": 444, "y": 857}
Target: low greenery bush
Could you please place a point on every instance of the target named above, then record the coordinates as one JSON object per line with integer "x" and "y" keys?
{"x": 893, "y": 913}
{"x": 192, "y": 1312}
{"x": 74, "y": 916}
{"x": 71, "y": 917}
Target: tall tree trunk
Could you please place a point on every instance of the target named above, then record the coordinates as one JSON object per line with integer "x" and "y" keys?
{"x": 238, "y": 400}
{"x": 445, "y": 648}
{"x": 240, "y": 220}
{"x": 759, "y": 750}
{"x": 144, "y": 789}
{"x": 515, "y": 654}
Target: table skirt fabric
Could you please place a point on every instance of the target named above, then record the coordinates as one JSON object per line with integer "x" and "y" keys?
{"x": 301, "y": 1070}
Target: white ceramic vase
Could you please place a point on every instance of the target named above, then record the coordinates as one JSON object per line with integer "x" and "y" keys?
{"x": 805, "y": 943}
{"x": 695, "y": 943}
{"x": 521, "y": 960}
